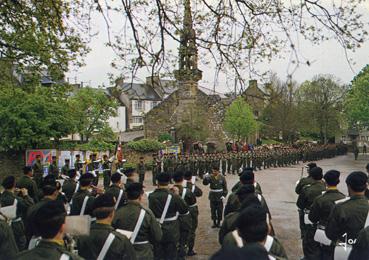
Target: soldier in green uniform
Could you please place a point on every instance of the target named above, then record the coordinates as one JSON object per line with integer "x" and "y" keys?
{"x": 299, "y": 186}
{"x": 186, "y": 220}
{"x": 194, "y": 212}
{"x": 224, "y": 163}
{"x": 360, "y": 248}
{"x": 201, "y": 163}
{"x": 106, "y": 171}
{"x": 30, "y": 185}
{"x": 53, "y": 168}
{"x": 38, "y": 171}
{"x": 131, "y": 176}
{"x": 218, "y": 192}
{"x": 78, "y": 165}
{"x": 322, "y": 208}
{"x": 304, "y": 203}
{"x": 156, "y": 165}
{"x": 82, "y": 200}
{"x": 141, "y": 221}
{"x": 234, "y": 163}
{"x": 349, "y": 215}
{"x": 165, "y": 205}
{"x": 50, "y": 223}
{"x": 104, "y": 242}
{"x": 141, "y": 170}
{"x": 116, "y": 190}
{"x": 8, "y": 247}
{"x": 66, "y": 167}
{"x": 22, "y": 202}
{"x": 95, "y": 170}
{"x": 252, "y": 227}
{"x": 70, "y": 186}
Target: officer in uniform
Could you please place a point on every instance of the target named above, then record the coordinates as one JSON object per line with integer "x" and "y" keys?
{"x": 165, "y": 205}
{"x": 28, "y": 183}
{"x": 116, "y": 189}
{"x": 106, "y": 171}
{"x": 82, "y": 200}
{"x": 49, "y": 221}
{"x": 141, "y": 170}
{"x": 194, "y": 212}
{"x": 156, "y": 164}
{"x": 65, "y": 168}
{"x": 299, "y": 185}
{"x": 78, "y": 164}
{"x": 8, "y": 247}
{"x": 218, "y": 192}
{"x": 22, "y": 202}
{"x": 304, "y": 203}
{"x": 349, "y": 215}
{"x": 53, "y": 168}
{"x": 322, "y": 208}
{"x": 70, "y": 186}
{"x": 131, "y": 176}
{"x": 104, "y": 242}
{"x": 38, "y": 171}
{"x": 141, "y": 221}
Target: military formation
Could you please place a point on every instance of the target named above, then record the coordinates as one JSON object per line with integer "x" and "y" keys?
{"x": 126, "y": 220}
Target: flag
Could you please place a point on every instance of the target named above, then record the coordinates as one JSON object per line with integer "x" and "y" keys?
{"x": 119, "y": 153}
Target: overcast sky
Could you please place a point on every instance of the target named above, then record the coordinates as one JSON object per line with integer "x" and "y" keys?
{"x": 328, "y": 58}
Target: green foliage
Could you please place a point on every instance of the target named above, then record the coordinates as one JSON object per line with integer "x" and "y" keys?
{"x": 357, "y": 100}
{"x": 320, "y": 104}
{"x": 32, "y": 119}
{"x": 145, "y": 145}
{"x": 165, "y": 137}
{"x": 95, "y": 145}
{"x": 239, "y": 121}
{"x": 129, "y": 165}
{"x": 91, "y": 110}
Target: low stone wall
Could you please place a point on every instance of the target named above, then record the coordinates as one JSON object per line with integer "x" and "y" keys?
{"x": 11, "y": 163}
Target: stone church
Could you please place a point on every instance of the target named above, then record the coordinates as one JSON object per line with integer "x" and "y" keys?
{"x": 188, "y": 111}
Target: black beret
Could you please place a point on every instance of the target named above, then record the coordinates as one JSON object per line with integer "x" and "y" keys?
{"x": 116, "y": 177}
{"x": 247, "y": 177}
{"x": 86, "y": 179}
{"x": 72, "y": 173}
{"x": 49, "y": 180}
{"x": 8, "y": 182}
{"x": 163, "y": 177}
{"x": 104, "y": 201}
{"x": 50, "y": 209}
{"x": 311, "y": 165}
{"x": 128, "y": 172}
{"x": 48, "y": 190}
{"x": 178, "y": 176}
{"x": 357, "y": 181}
{"x": 245, "y": 189}
{"x": 188, "y": 175}
{"x": 316, "y": 173}
{"x": 332, "y": 177}
{"x": 134, "y": 187}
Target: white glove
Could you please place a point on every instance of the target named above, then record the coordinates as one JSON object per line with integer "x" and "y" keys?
{"x": 222, "y": 198}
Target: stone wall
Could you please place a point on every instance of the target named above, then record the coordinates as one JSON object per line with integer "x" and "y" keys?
{"x": 11, "y": 163}
{"x": 171, "y": 111}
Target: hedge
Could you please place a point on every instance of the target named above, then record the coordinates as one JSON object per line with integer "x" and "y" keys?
{"x": 145, "y": 145}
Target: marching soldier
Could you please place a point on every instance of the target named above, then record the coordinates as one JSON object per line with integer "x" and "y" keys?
{"x": 22, "y": 203}
{"x": 106, "y": 171}
{"x": 194, "y": 212}
{"x": 165, "y": 205}
{"x": 116, "y": 190}
{"x": 70, "y": 186}
{"x": 139, "y": 220}
{"x": 65, "y": 168}
{"x": 104, "y": 242}
{"x": 156, "y": 165}
{"x": 83, "y": 199}
{"x": 28, "y": 183}
{"x": 141, "y": 170}
{"x": 38, "y": 171}
{"x": 50, "y": 223}
{"x": 218, "y": 192}
{"x": 322, "y": 208}
{"x": 304, "y": 203}
{"x": 95, "y": 171}
{"x": 349, "y": 215}
{"x": 53, "y": 168}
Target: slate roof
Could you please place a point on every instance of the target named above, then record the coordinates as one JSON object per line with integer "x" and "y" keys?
{"x": 140, "y": 91}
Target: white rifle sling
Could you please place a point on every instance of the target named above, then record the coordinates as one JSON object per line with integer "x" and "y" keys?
{"x": 64, "y": 257}
{"x": 259, "y": 197}
{"x": 84, "y": 206}
{"x": 119, "y": 199}
{"x": 77, "y": 187}
{"x": 184, "y": 193}
{"x": 138, "y": 225}
{"x": 193, "y": 188}
{"x": 268, "y": 243}
{"x": 237, "y": 238}
{"x": 106, "y": 246}
{"x": 166, "y": 207}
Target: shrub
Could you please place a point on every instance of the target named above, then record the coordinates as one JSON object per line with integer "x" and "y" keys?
{"x": 165, "y": 137}
{"x": 146, "y": 145}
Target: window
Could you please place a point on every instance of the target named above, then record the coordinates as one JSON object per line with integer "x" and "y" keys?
{"x": 138, "y": 105}
{"x": 137, "y": 120}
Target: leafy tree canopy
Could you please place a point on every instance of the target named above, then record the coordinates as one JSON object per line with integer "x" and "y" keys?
{"x": 239, "y": 121}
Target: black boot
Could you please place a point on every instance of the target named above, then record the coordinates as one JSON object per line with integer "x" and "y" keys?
{"x": 214, "y": 224}
{"x": 218, "y": 224}
{"x": 191, "y": 252}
